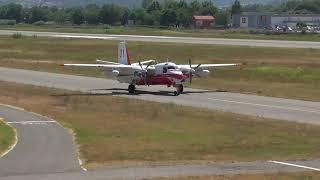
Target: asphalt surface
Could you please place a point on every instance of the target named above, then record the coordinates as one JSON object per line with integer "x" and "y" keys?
{"x": 43, "y": 146}
{"x": 45, "y": 150}
{"x": 276, "y": 108}
{"x": 170, "y": 171}
{"x": 190, "y": 40}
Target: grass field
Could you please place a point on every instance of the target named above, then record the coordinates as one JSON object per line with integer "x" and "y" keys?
{"x": 279, "y": 72}
{"x": 6, "y": 136}
{"x": 101, "y": 29}
{"x": 113, "y": 130}
{"x": 277, "y": 176}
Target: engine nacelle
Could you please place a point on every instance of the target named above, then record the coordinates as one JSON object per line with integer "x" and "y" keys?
{"x": 204, "y": 73}
{"x": 115, "y": 73}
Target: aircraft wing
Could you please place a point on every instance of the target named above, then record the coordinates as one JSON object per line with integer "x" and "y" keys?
{"x": 145, "y": 62}
{"x": 108, "y": 66}
{"x": 214, "y": 65}
{"x": 206, "y": 65}
{"x": 106, "y": 62}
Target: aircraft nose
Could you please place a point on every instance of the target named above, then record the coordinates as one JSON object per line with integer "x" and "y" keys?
{"x": 178, "y": 74}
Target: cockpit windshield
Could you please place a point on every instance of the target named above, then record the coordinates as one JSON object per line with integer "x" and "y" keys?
{"x": 172, "y": 67}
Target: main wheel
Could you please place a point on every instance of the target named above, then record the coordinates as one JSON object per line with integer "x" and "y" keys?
{"x": 131, "y": 89}
{"x": 181, "y": 88}
{"x": 176, "y": 93}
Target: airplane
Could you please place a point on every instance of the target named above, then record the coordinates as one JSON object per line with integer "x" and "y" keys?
{"x": 149, "y": 72}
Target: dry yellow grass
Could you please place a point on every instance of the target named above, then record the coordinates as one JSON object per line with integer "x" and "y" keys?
{"x": 276, "y": 176}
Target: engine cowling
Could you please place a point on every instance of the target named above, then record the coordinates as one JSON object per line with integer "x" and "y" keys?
{"x": 204, "y": 73}
{"x": 115, "y": 73}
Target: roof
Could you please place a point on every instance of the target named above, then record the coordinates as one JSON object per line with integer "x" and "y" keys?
{"x": 211, "y": 18}
{"x": 276, "y": 14}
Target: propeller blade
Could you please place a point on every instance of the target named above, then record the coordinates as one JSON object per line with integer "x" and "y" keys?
{"x": 198, "y": 66}
{"x": 148, "y": 66}
{"x": 140, "y": 65}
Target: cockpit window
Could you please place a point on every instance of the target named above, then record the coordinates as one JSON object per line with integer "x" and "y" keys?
{"x": 171, "y": 67}
{"x": 165, "y": 69}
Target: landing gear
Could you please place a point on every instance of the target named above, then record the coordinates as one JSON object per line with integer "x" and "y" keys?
{"x": 131, "y": 88}
{"x": 179, "y": 90}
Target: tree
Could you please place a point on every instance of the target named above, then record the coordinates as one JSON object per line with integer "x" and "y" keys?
{"x": 91, "y": 14}
{"x": 77, "y": 16}
{"x": 195, "y": 6}
{"x": 222, "y": 18}
{"x": 12, "y": 11}
{"x": 60, "y": 16}
{"x": 168, "y": 17}
{"x": 183, "y": 4}
{"x": 37, "y": 14}
{"x": 110, "y": 14}
{"x": 148, "y": 19}
{"x": 184, "y": 17}
{"x": 236, "y": 7}
{"x": 139, "y": 15}
{"x": 208, "y": 8}
{"x": 91, "y": 17}
{"x": 146, "y": 3}
{"x": 154, "y": 6}
{"x": 125, "y": 17}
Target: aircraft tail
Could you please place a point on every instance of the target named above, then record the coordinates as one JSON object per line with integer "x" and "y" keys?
{"x": 123, "y": 54}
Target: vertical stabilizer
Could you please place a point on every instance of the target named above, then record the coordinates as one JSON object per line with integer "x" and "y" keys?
{"x": 123, "y": 54}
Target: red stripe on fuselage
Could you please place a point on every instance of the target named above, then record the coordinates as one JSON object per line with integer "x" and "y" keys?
{"x": 163, "y": 79}
{"x": 128, "y": 57}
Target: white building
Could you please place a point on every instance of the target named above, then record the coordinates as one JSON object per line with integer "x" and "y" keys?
{"x": 292, "y": 20}
{"x": 262, "y": 20}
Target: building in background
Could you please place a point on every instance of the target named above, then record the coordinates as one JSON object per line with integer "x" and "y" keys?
{"x": 262, "y": 20}
{"x": 203, "y": 22}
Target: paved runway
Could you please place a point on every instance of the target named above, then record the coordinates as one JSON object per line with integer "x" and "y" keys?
{"x": 43, "y": 146}
{"x": 190, "y": 40}
{"x": 277, "y": 108}
{"x": 135, "y": 173}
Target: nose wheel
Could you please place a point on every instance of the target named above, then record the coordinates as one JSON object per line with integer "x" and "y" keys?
{"x": 131, "y": 89}
{"x": 179, "y": 90}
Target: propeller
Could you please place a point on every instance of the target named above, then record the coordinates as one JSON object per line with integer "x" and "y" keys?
{"x": 145, "y": 72}
{"x": 193, "y": 71}
{"x": 190, "y": 72}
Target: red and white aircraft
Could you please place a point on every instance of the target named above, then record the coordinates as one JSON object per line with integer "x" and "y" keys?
{"x": 151, "y": 73}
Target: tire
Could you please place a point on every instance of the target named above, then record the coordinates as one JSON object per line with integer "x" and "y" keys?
{"x": 131, "y": 89}
{"x": 175, "y": 93}
{"x": 181, "y": 89}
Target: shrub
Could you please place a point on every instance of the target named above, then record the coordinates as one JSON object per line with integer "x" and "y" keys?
{"x": 16, "y": 36}
{"x": 107, "y": 26}
{"x": 39, "y": 23}
{"x": 7, "y": 22}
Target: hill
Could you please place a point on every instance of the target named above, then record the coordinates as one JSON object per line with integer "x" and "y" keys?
{"x": 130, "y": 3}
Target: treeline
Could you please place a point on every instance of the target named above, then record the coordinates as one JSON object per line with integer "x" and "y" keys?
{"x": 292, "y": 7}
{"x": 153, "y": 12}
